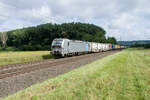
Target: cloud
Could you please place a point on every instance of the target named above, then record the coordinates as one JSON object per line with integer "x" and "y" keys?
{"x": 124, "y": 19}
{"x": 42, "y": 14}
{"x": 4, "y": 12}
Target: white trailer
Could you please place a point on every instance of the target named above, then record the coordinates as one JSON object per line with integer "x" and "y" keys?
{"x": 100, "y": 47}
{"x": 94, "y": 47}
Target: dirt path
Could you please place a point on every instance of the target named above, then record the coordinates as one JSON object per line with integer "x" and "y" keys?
{"x": 41, "y": 71}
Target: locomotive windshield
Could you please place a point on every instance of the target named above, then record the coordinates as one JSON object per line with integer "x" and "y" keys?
{"x": 57, "y": 42}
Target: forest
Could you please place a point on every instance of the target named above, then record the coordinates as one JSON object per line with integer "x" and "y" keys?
{"x": 41, "y": 36}
{"x": 141, "y": 45}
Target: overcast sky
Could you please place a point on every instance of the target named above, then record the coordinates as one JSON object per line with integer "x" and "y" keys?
{"x": 123, "y": 19}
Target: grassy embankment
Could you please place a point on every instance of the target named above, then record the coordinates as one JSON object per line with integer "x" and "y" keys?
{"x": 122, "y": 76}
{"x": 19, "y": 57}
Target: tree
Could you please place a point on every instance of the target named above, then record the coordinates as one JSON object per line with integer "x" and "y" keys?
{"x": 112, "y": 40}
{"x": 64, "y": 34}
{"x": 3, "y": 37}
{"x": 99, "y": 37}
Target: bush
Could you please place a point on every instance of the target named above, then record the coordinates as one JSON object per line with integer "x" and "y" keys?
{"x": 46, "y": 47}
{"x": 147, "y": 46}
{"x": 27, "y": 48}
{"x": 1, "y": 48}
{"x": 8, "y": 49}
{"x": 11, "y": 49}
{"x": 33, "y": 47}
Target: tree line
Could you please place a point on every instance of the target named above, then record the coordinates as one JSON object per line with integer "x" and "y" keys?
{"x": 40, "y": 37}
{"x": 146, "y": 45}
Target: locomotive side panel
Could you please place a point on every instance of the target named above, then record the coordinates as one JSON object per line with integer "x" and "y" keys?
{"x": 77, "y": 46}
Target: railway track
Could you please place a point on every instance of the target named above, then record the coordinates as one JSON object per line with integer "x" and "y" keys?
{"x": 13, "y": 70}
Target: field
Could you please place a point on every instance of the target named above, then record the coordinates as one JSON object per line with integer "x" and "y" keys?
{"x": 122, "y": 76}
{"x": 19, "y": 57}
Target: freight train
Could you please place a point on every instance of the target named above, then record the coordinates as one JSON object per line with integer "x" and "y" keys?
{"x": 66, "y": 47}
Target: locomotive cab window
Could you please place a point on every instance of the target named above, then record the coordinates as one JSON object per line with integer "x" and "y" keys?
{"x": 57, "y": 42}
{"x": 68, "y": 43}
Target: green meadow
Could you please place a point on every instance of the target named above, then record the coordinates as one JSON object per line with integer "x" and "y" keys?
{"x": 23, "y": 56}
{"x": 121, "y": 76}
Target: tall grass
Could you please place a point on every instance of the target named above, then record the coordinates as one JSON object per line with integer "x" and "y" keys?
{"x": 23, "y": 56}
{"x": 122, "y": 76}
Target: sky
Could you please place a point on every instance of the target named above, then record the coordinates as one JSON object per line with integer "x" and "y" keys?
{"x": 123, "y": 19}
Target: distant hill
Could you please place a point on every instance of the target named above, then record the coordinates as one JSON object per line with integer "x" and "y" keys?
{"x": 130, "y": 43}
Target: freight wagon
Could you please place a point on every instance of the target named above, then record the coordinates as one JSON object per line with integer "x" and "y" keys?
{"x": 66, "y": 47}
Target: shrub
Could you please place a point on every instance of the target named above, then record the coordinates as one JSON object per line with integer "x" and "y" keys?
{"x": 27, "y": 48}
{"x": 8, "y": 49}
{"x": 11, "y": 49}
{"x": 147, "y": 46}
{"x": 33, "y": 47}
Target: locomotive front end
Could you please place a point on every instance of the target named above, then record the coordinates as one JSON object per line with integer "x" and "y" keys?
{"x": 57, "y": 47}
